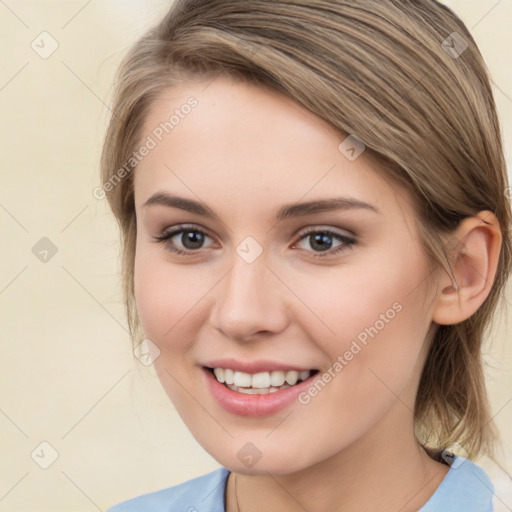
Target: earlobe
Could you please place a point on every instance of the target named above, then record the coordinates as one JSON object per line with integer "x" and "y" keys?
{"x": 474, "y": 262}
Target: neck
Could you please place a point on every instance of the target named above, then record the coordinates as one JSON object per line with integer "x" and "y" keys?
{"x": 384, "y": 471}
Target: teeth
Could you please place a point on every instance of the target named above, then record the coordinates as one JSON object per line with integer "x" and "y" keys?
{"x": 259, "y": 383}
{"x": 242, "y": 379}
{"x": 304, "y": 375}
{"x": 228, "y": 376}
{"x": 256, "y": 391}
{"x": 260, "y": 380}
{"x": 277, "y": 378}
{"x": 219, "y": 373}
{"x": 292, "y": 377}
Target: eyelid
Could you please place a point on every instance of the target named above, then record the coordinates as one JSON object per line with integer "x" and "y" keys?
{"x": 324, "y": 228}
{"x": 171, "y": 231}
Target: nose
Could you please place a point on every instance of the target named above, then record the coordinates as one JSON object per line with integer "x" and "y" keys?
{"x": 250, "y": 302}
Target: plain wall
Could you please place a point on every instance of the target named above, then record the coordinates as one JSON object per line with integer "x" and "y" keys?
{"x": 69, "y": 377}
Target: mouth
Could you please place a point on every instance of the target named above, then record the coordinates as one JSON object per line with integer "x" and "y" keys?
{"x": 261, "y": 383}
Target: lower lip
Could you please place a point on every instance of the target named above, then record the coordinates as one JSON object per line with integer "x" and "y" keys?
{"x": 243, "y": 404}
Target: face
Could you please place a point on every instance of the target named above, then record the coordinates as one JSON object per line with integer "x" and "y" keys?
{"x": 243, "y": 265}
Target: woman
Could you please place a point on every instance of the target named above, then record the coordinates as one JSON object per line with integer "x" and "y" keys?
{"x": 311, "y": 197}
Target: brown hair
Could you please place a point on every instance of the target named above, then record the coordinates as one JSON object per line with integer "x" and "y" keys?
{"x": 390, "y": 72}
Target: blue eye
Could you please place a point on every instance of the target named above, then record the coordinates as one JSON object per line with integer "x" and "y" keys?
{"x": 192, "y": 239}
{"x": 322, "y": 239}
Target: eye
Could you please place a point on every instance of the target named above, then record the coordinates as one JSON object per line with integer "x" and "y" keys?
{"x": 321, "y": 241}
{"x": 185, "y": 241}
{"x": 190, "y": 239}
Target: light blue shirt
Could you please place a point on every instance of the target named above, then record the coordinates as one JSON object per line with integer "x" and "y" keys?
{"x": 465, "y": 488}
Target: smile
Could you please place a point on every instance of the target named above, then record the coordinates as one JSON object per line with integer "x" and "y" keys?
{"x": 260, "y": 383}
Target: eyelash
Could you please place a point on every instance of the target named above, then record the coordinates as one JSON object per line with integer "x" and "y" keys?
{"x": 165, "y": 237}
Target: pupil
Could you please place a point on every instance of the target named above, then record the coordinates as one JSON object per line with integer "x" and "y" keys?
{"x": 323, "y": 242}
{"x": 193, "y": 238}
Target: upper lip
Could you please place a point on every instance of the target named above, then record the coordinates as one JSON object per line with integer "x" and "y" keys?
{"x": 258, "y": 366}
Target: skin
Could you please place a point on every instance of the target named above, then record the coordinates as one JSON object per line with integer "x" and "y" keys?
{"x": 244, "y": 151}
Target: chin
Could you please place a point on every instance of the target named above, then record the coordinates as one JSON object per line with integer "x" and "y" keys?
{"x": 244, "y": 457}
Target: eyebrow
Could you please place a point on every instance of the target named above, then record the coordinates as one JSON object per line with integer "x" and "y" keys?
{"x": 286, "y": 211}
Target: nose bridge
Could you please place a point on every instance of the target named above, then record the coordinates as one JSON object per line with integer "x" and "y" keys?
{"x": 249, "y": 299}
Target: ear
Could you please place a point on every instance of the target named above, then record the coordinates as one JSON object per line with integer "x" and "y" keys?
{"x": 474, "y": 262}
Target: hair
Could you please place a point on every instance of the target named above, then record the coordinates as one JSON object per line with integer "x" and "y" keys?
{"x": 383, "y": 71}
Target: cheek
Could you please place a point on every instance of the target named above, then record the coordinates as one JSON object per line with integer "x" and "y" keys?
{"x": 152, "y": 295}
{"x": 365, "y": 301}
{"x": 165, "y": 294}
{"x": 169, "y": 309}
{"x": 371, "y": 323}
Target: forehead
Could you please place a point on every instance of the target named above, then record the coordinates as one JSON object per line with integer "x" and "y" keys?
{"x": 228, "y": 140}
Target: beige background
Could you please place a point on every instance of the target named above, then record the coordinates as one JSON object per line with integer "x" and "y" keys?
{"x": 68, "y": 375}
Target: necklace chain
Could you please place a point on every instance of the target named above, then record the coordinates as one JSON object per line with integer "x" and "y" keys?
{"x": 236, "y": 497}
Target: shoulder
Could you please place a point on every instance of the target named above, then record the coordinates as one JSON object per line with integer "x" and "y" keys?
{"x": 465, "y": 488}
{"x": 204, "y": 493}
